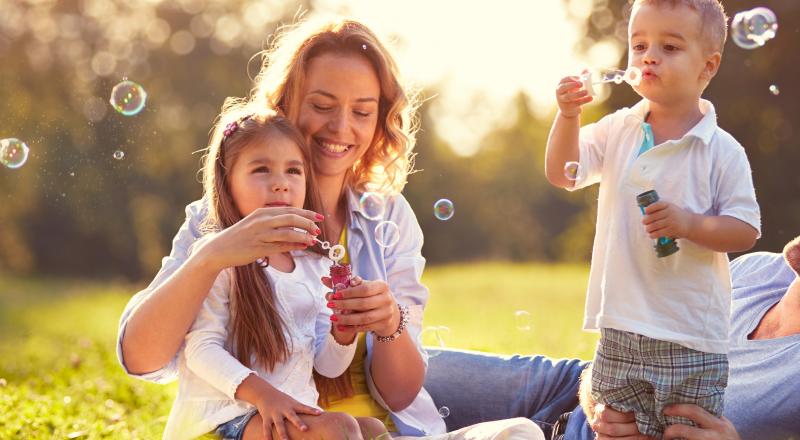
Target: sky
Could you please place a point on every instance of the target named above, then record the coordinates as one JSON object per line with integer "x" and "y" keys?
{"x": 479, "y": 55}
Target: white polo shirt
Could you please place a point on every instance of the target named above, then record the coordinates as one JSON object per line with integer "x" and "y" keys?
{"x": 685, "y": 297}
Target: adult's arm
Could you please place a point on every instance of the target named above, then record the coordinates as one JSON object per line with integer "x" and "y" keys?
{"x": 156, "y": 320}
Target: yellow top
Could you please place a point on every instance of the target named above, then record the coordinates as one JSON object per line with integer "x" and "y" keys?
{"x": 361, "y": 403}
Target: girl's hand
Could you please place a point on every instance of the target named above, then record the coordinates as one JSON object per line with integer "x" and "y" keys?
{"x": 276, "y": 407}
{"x": 570, "y": 96}
{"x": 364, "y": 306}
{"x": 611, "y": 424}
{"x": 265, "y": 232}
{"x": 664, "y": 219}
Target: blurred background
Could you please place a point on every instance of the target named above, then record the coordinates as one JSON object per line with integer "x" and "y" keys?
{"x": 85, "y": 221}
{"x": 487, "y": 71}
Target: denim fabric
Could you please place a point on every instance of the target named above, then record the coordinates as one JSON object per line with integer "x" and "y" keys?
{"x": 234, "y": 430}
{"x": 478, "y": 387}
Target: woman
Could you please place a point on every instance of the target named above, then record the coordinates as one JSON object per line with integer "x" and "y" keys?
{"x": 339, "y": 85}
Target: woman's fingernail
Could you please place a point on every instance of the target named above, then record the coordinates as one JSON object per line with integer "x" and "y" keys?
{"x": 320, "y": 217}
{"x": 334, "y": 318}
{"x": 317, "y": 231}
{"x": 331, "y": 305}
{"x": 337, "y": 295}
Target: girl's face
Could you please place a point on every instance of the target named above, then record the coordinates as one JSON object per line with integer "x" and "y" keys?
{"x": 339, "y": 110}
{"x": 268, "y": 172}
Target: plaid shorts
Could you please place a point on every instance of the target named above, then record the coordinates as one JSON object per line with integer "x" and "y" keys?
{"x": 635, "y": 373}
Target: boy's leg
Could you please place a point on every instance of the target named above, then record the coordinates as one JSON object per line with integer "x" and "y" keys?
{"x": 478, "y": 387}
{"x": 692, "y": 377}
{"x": 620, "y": 379}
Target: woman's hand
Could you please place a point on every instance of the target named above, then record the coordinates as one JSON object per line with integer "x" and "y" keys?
{"x": 265, "y": 232}
{"x": 364, "y": 306}
{"x": 611, "y": 424}
{"x": 709, "y": 426}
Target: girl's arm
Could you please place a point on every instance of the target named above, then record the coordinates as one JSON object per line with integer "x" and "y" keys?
{"x": 156, "y": 320}
{"x": 333, "y": 350}
{"x": 207, "y": 357}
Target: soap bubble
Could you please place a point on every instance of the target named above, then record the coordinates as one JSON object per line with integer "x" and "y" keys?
{"x": 443, "y": 209}
{"x": 522, "y": 320}
{"x": 444, "y": 412}
{"x": 753, "y": 28}
{"x": 119, "y": 155}
{"x": 13, "y": 153}
{"x": 774, "y": 90}
{"x": 387, "y": 234}
{"x": 372, "y": 205}
{"x": 434, "y": 337}
{"x": 128, "y": 98}
{"x": 572, "y": 170}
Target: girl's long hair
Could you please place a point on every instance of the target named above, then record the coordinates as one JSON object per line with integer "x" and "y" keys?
{"x": 257, "y": 336}
{"x": 387, "y": 162}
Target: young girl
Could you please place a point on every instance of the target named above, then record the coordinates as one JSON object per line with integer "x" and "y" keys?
{"x": 247, "y": 361}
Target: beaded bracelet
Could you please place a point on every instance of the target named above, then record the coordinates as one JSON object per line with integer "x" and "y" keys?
{"x": 400, "y": 328}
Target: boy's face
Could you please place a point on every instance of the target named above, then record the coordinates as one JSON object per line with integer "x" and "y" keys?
{"x": 667, "y": 45}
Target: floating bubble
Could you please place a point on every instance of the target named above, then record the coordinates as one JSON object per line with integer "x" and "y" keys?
{"x": 435, "y": 337}
{"x": 119, "y": 155}
{"x": 444, "y": 412}
{"x": 774, "y": 90}
{"x": 387, "y": 234}
{"x": 443, "y": 209}
{"x": 572, "y": 170}
{"x": 522, "y": 320}
{"x": 753, "y": 28}
{"x": 13, "y": 153}
{"x": 372, "y": 205}
{"x": 128, "y": 98}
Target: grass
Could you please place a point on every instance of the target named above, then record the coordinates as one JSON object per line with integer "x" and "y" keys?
{"x": 59, "y": 376}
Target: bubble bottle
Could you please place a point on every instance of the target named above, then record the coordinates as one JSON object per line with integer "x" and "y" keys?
{"x": 632, "y": 75}
{"x": 664, "y": 246}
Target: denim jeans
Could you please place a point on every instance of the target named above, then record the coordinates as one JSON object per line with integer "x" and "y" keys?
{"x": 477, "y": 387}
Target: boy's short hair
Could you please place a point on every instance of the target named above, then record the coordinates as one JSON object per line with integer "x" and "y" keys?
{"x": 713, "y": 21}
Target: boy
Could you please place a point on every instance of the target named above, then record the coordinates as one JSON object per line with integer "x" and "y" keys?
{"x": 663, "y": 320}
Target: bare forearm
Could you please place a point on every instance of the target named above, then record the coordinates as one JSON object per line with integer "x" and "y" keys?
{"x": 722, "y": 233}
{"x": 156, "y": 329}
{"x": 398, "y": 371}
{"x": 252, "y": 388}
{"x": 562, "y": 147}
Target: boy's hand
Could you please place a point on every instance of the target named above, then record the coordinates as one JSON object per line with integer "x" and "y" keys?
{"x": 570, "y": 96}
{"x": 275, "y": 407}
{"x": 664, "y": 219}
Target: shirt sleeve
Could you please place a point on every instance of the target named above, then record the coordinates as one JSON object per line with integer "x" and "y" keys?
{"x": 592, "y": 149}
{"x": 404, "y": 267}
{"x": 735, "y": 195}
{"x": 205, "y": 351}
{"x": 186, "y": 236}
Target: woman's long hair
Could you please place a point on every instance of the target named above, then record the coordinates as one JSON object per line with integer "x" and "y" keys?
{"x": 257, "y": 334}
{"x": 387, "y": 162}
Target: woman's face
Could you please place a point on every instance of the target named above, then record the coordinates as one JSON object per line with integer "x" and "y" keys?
{"x": 339, "y": 110}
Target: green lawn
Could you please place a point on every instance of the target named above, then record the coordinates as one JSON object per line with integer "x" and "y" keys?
{"x": 59, "y": 377}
